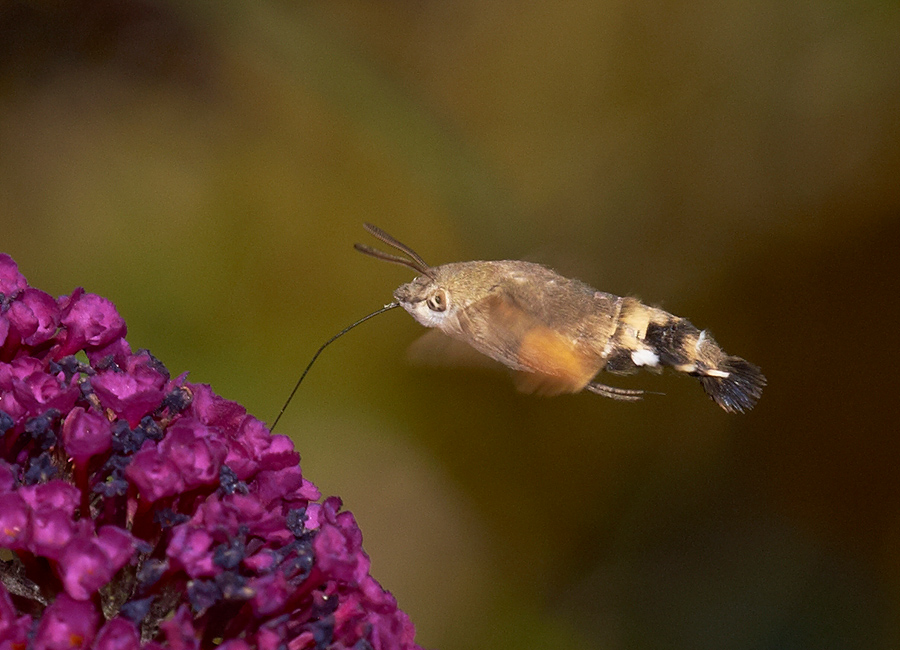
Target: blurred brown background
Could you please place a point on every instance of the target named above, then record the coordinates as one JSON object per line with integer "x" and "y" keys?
{"x": 207, "y": 166}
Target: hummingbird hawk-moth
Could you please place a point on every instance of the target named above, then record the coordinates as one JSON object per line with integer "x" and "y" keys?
{"x": 557, "y": 333}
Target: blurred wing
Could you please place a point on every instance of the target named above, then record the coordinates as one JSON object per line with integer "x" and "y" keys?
{"x": 434, "y": 348}
{"x": 548, "y": 362}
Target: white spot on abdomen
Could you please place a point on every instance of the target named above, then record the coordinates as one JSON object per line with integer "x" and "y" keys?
{"x": 700, "y": 340}
{"x": 645, "y": 358}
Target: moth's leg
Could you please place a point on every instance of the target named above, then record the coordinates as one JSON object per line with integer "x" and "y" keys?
{"x": 623, "y": 394}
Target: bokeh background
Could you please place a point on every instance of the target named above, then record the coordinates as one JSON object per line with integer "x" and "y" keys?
{"x": 208, "y": 165}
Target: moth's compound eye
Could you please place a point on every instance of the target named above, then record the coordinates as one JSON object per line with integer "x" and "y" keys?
{"x": 437, "y": 301}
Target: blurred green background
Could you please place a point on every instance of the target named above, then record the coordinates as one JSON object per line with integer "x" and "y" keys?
{"x": 208, "y": 165}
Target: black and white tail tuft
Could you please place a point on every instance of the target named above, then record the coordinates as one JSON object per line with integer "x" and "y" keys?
{"x": 736, "y": 384}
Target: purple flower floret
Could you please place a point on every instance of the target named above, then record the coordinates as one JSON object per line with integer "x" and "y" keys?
{"x": 142, "y": 512}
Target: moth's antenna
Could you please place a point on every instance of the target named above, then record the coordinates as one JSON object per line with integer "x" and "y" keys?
{"x": 319, "y": 351}
{"x": 377, "y": 232}
{"x": 414, "y": 262}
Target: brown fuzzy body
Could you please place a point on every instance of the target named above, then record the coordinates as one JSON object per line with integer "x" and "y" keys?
{"x": 559, "y": 333}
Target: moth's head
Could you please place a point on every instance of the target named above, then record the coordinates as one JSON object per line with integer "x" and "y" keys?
{"x": 427, "y": 299}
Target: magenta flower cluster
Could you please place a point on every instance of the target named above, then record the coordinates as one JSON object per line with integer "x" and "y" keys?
{"x": 141, "y": 511}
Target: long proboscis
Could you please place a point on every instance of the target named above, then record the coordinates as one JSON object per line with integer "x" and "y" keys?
{"x": 319, "y": 351}
{"x": 414, "y": 262}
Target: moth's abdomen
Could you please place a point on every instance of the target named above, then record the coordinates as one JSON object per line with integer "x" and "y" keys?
{"x": 652, "y": 338}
